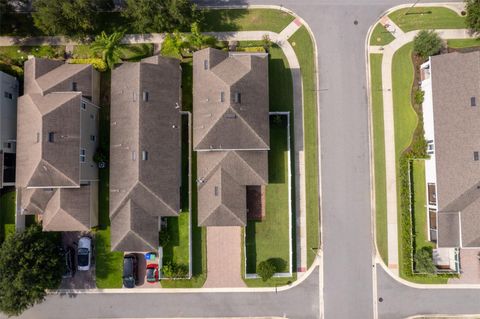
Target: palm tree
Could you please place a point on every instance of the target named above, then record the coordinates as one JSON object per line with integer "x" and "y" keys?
{"x": 108, "y": 46}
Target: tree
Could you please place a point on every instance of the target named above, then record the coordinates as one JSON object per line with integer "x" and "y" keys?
{"x": 160, "y": 15}
{"x": 64, "y": 17}
{"x": 473, "y": 15}
{"x": 30, "y": 262}
{"x": 173, "y": 44}
{"x": 197, "y": 40}
{"x": 108, "y": 47}
{"x": 267, "y": 42}
{"x": 266, "y": 269}
{"x": 427, "y": 43}
{"x": 424, "y": 261}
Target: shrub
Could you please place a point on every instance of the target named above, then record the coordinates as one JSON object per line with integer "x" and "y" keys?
{"x": 266, "y": 269}
{"x": 424, "y": 261}
{"x": 173, "y": 270}
{"x": 163, "y": 238}
{"x": 473, "y": 15}
{"x": 267, "y": 42}
{"x": 427, "y": 43}
{"x": 98, "y": 64}
{"x": 252, "y": 49}
{"x": 418, "y": 97}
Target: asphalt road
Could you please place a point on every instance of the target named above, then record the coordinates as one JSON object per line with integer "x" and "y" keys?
{"x": 301, "y": 302}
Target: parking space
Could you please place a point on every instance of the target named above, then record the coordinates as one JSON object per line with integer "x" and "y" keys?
{"x": 142, "y": 263}
{"x": 80, "y": 279}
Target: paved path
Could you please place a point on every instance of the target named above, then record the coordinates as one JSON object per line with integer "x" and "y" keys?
{"x": 388, "y": 51}
{"x": 224, "y": 257}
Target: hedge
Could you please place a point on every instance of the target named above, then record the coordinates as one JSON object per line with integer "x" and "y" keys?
{"x": 98, "y": 64}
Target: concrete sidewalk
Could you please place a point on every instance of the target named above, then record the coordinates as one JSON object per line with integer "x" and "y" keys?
{"x": 389, "y": 131}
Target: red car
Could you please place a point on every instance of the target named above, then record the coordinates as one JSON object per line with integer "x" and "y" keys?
{"x": 152, "y": 273}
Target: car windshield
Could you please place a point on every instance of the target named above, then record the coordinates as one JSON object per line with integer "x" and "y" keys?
{"x": 150, "y": 272}
{"x": 83, "y": 251}
{"x": 82, "y": 259}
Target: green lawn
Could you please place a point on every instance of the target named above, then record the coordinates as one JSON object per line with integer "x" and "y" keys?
{"x": 409, "y": 19}
{"x": 269, "y": 239}
{"x": 380, "y": 36}
{"x": 305, "y": 53}
{"x": 245, "y": 20}
{"x": 7, "y": 213}
{"x": 463, "y": 43}
{"x": 109, "y": 263}
{"x": 405, "y": 121}
{"x": 379, "y": 155}
{"x": 129, "y": 52}
{"x": 176, "y": 250}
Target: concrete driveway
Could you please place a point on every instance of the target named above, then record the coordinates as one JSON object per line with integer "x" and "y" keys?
{"x": 81, "y": 279}
{"x": 224, "y": 257}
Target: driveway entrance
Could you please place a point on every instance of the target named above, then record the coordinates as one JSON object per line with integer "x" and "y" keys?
{"x": 224, "y": 257}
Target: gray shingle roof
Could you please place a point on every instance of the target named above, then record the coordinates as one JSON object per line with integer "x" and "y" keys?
{"x": 223, "y": 177}
{"x": 230, "y": 94}
{"x": 144, "y": 129}
{"x": 455, "y": 80}
{"x": 42, "y": 163}
{"x": 63, "y": 209}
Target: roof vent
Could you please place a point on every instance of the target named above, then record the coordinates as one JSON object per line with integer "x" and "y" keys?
{"x": 475, "y": 156}
{"x": 216, "y": 191}
{"x": 145, "y": 96}
{"x": 205, "y": 64}
{"x": 473, "y": 101}
{"x": 134, "y": 156}
{"x": 144, "y": 155}
{"x": 51, "y": 137}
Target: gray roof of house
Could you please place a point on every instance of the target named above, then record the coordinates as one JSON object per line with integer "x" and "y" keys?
{"x": 455, "y": 80}
{"x": 214, "y": 120}
{"x": 141, "y": 188}
{"x": 41, "y": 163}
{"x": 50, "y": 106}
{"x": 63, "y": 209}
{"x": 223, "y": 177}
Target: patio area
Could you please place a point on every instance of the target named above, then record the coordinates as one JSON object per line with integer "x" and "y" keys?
{"x": 469, "y": 267}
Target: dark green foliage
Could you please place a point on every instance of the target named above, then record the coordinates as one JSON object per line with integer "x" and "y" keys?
{"x": 424, "y": 261}
{"x": 266, "y": 269}
{"x": 163, "y": 238}
{"x": 173, "y": 270}
{"x": 30, "y": 262}
{"x": 418, "y": 97}
{"x": 427, "y": 43}
{"x": 160, "y": 15}
{"x": 75, "y": 19}
{"x": 473, "y": 15}
{"x": 108, "y": 47}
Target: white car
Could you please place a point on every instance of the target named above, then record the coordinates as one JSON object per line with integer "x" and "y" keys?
{"x": 84, "y": 253}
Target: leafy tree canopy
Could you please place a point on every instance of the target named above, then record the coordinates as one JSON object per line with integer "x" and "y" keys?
{"x": 30, "y": 262}
{"x": 424, "y": 261}
{"x": 65, "y": 17}
{"x": 266, "y": 269}
{"x": 473, "y": 15}
{"x": 427, "y": 43}
{"x": 159, "y": 15}
{"x": 108, "y": 47}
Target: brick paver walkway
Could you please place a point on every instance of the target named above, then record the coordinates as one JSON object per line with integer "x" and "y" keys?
{"x": 224, "y": 257}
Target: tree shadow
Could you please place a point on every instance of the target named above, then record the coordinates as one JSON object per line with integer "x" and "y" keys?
{"x": 251, "y": 247}
{"x": 279, "y": 263}
{"x": 222, "y": 20}
{"x": 278, "y": 148}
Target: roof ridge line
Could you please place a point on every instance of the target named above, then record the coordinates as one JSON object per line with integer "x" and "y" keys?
{"x": 249, "y": 167}
{"x": 250, "y": 127}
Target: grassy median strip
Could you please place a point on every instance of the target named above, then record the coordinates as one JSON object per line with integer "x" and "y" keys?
{"x": 304, "y": 49}
{"x": 379, "y": 155}
{"x": 409, "y": 19}
{"x": 381, "y": 36}
{"x": 245, "y": 20}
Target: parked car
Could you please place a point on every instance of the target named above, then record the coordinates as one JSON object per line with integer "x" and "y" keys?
{"x": 130, "y": 271}
{"x": 69, "y": 257}
{"x": 84, "y": 253}
{"x": 152, "y": 273}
